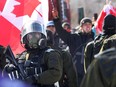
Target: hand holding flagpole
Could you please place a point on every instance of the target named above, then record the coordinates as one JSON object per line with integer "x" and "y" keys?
{"x": 55, "y": 13}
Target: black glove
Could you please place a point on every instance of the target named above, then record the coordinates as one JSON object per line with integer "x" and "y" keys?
{"x": 10, "y": 68}
{"x": 11, "y": 72}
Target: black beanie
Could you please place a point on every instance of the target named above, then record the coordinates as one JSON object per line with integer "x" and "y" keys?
{"x": 109, "y": 26}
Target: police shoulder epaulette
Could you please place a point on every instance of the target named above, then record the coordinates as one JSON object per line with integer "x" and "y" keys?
{"x": 49, "y": 50}
{"x": 105, "y": 53}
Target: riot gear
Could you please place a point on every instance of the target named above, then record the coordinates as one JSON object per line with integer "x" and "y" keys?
{"x": 38, "y": 65}
{"x": 33, "y": 35}
{"x": 13, "y": 73}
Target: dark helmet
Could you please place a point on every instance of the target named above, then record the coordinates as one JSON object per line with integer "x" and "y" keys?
{"x": 109, "y": 26}
{"x": 33, "y": 35}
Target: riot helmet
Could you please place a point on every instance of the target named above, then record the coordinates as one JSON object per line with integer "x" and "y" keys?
{"x": 33, "y": 35}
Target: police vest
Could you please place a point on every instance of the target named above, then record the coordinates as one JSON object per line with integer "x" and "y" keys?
{"x": 33, "y": 63}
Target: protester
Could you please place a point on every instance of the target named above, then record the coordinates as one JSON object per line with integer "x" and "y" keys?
{"x": 66, "y": 26}
{"x": 69, "y": 78}
{"x": 58, "y": 43}
{"x": 94, "y": 18}
{"x": 76, "y": 42}
{"x": 42, "y": 65}
{"x": 92, "y": 48}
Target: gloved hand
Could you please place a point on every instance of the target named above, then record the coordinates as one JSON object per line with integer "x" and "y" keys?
{"x": 11, "y": 72}
{"x": 55, "y": 13}
{"x": 10, "y": 68}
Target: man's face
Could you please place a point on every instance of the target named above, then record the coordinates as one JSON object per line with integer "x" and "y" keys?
{"x": 67, "y": 27}
{"x": 86, "y": 27}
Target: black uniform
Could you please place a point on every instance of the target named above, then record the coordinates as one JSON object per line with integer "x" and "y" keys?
{"x": 102, "y": 70}
{"x": 93, "y": 48}
{"x": 102, "y": 42}
{"x": 42, "y": 66}
{"x": 69, "y": 78}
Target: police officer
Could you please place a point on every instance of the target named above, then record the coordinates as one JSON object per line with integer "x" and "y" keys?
{"x": 69, "y": 77}
{"x": 102, "y": 70}
{"x": 94, "y": 47}
{"x": 42, "y": 65}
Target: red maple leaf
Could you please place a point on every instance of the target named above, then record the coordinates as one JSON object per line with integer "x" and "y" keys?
{"x": 26, "y": 7}
{"x": 2, "y": 4}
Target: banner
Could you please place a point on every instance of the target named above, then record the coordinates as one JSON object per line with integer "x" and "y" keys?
{"x": 107, "y": 9}
{"x": 14, "y": 14}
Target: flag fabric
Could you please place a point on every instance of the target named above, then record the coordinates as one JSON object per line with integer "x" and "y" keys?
{"x": 107, "y": 9}
{"x": 14, "y": 14}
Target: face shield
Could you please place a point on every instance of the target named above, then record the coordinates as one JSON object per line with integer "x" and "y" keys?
{"x": 32, "y": 26}
{"x": 32, "y": 34}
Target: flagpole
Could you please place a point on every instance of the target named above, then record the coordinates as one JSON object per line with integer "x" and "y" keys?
{"x": 108, "y": 1}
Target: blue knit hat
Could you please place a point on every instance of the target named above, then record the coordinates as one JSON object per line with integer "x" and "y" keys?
{"x": 50, "y": 23}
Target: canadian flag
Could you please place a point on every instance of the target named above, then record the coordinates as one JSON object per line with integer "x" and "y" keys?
{"x": 107, "y": 9}
{"x": 14, "y": 14}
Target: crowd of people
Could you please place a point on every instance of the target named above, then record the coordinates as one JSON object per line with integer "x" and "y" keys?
{"x": 59, "y": 58}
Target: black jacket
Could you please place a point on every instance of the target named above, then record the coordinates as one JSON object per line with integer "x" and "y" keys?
{"x": 76, "y": 43}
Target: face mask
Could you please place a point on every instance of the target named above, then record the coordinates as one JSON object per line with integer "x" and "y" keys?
{"x": 33, "y": 39}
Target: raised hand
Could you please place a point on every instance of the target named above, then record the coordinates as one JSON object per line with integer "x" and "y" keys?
{"x": 109, "y": 2}
{"x": 55, "y": 13}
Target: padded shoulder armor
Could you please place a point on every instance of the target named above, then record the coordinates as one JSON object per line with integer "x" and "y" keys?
{"x": 106, "y": 53}
{"x": 49, "y": 50}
